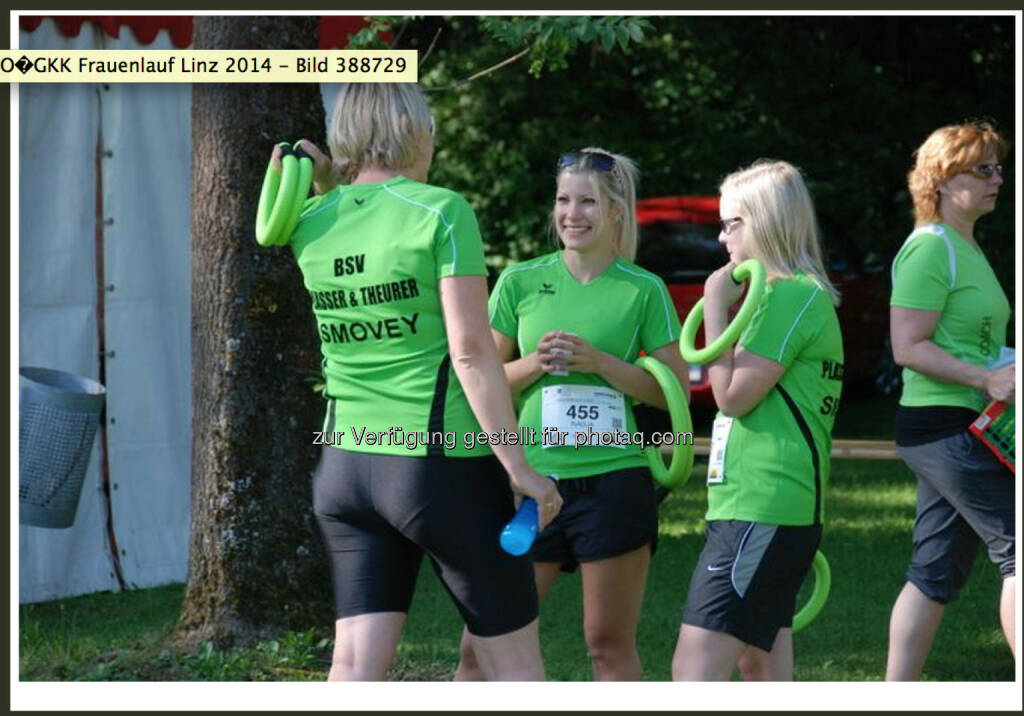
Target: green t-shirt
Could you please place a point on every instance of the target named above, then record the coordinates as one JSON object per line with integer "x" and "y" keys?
{"x": 938, "y": 270}
{"x": 372, "y": 256}
{"x": 777, "y": 457}
{"x": 623, "y": 311}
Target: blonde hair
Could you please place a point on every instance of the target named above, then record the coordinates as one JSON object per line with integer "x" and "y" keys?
{"x": 616, "y": 187}
{"x": 780, "y": 226}
{"x": 377, "y": 124}
{"x": 945, "y": 153}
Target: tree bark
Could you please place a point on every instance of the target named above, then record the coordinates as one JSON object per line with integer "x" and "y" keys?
{"x": 256, "y": 562}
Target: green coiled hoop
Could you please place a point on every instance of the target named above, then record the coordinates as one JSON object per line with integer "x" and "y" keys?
{"x": 822, "y": 584}
{"x": 681, "y": 465}
{"x": 750, "y": 269}
{"x": 282, "y": 196}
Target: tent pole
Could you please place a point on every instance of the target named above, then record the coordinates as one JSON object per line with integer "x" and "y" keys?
{"x": 101, "y": 292}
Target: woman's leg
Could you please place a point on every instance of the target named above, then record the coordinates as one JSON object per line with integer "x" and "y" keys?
{"x": 364, "y": 646}
{"x": 373, "y": 567}
{"x": 963, "y": 495}
{"x": 705, "y": 655}
{"x": 912, "y": 626}
{"x": 1008, "y": 612}
{"x": 775, "y": 665}
{"x": 545, "y": 574}
{"x": 613, "y": 593}
{"x": 510, "y": 657}
{"x": 467, "y": 669}
{"x": 742, "y": 594}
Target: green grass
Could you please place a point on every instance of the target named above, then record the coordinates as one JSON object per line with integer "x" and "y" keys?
{"x": 123, "y": 636}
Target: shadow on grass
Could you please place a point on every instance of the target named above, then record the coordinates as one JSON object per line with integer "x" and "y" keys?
{"x": 869, "y": 514}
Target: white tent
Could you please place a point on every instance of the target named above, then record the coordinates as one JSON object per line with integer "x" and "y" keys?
{"x": 143, "y": 181}
{"x": 142, "y": 177}
{"x": 143, "y": 135}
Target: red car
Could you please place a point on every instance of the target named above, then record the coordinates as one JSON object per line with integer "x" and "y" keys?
{"x": 678, "y": 240}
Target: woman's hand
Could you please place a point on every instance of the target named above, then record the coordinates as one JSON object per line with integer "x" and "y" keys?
{"x": 544, "y": 490}
{"x": 275, "y": 157}
{"x": 552, "y": 352}
{"x": 1000, "y": 385}
{"x": 324, "y": 178}
{"x": 721, "y": 288}
{"x": 582, "y": 357}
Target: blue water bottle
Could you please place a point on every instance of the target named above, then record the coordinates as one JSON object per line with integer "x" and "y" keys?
{"x": 521, "y": 530}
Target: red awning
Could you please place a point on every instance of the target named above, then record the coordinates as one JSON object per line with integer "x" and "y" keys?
{"x": 334, "y": 29}
{"x": 144, "y": 27}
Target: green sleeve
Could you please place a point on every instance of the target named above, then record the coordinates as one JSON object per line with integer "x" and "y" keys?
{"x": 459, "y": 248}
{"x": 921, "y": 274}
{"x": 502, "y": 307}
{"x": 660, "y": 321}
{"x": 782, "y": 324}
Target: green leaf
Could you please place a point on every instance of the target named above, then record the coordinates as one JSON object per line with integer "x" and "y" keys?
{"x": 586, "y": 31}
{"x": 622, "y": 34}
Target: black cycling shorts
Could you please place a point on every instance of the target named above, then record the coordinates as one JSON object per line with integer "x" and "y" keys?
{"x": 379, "y": 513}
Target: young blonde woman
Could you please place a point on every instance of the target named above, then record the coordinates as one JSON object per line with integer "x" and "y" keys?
{"x": 777, "y": 392}
{"x": 578, "y": 319}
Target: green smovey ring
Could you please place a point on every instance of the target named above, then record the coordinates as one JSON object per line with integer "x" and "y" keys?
{"x": 752, "y": 269}
{"x": 282, "y": 196}
{"x": 681, "y": 466}
{"x": 822, "y": 585}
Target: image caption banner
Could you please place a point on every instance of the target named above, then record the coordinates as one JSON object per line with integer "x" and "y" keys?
{"x": 69, "y": 66}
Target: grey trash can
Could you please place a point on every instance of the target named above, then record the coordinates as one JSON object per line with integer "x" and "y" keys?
{"x": 59, "y": 414}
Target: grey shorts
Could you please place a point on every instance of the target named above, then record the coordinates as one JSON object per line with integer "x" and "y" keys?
{"x": 964, "y": 496}
{"x": 747, "y": 579}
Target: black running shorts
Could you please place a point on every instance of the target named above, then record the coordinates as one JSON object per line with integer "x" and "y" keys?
{"x": 747, "y": 578}
{"x": 602, "y": 516}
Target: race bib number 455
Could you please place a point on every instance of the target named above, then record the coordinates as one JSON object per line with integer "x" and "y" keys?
{"x": 583, "y": 408}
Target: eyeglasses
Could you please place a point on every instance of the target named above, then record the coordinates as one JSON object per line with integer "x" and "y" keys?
{"x": 986, "y": 171}
{"x": 729, "y": 224}
{"x": 587, "y": 160}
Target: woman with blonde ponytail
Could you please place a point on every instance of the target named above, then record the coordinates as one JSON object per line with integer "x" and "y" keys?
{"x": 577, "y": 319}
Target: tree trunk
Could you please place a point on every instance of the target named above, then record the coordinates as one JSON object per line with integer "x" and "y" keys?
{"x": 256, "y": 562}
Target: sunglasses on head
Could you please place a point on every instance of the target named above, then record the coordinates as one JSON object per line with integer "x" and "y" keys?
{"x": 986, "y": 171}
{"x": 587, "y": 160}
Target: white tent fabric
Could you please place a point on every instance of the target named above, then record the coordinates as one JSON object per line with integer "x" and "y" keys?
{"x": 146, "y": 201}
{"x": 146, "y": 132}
